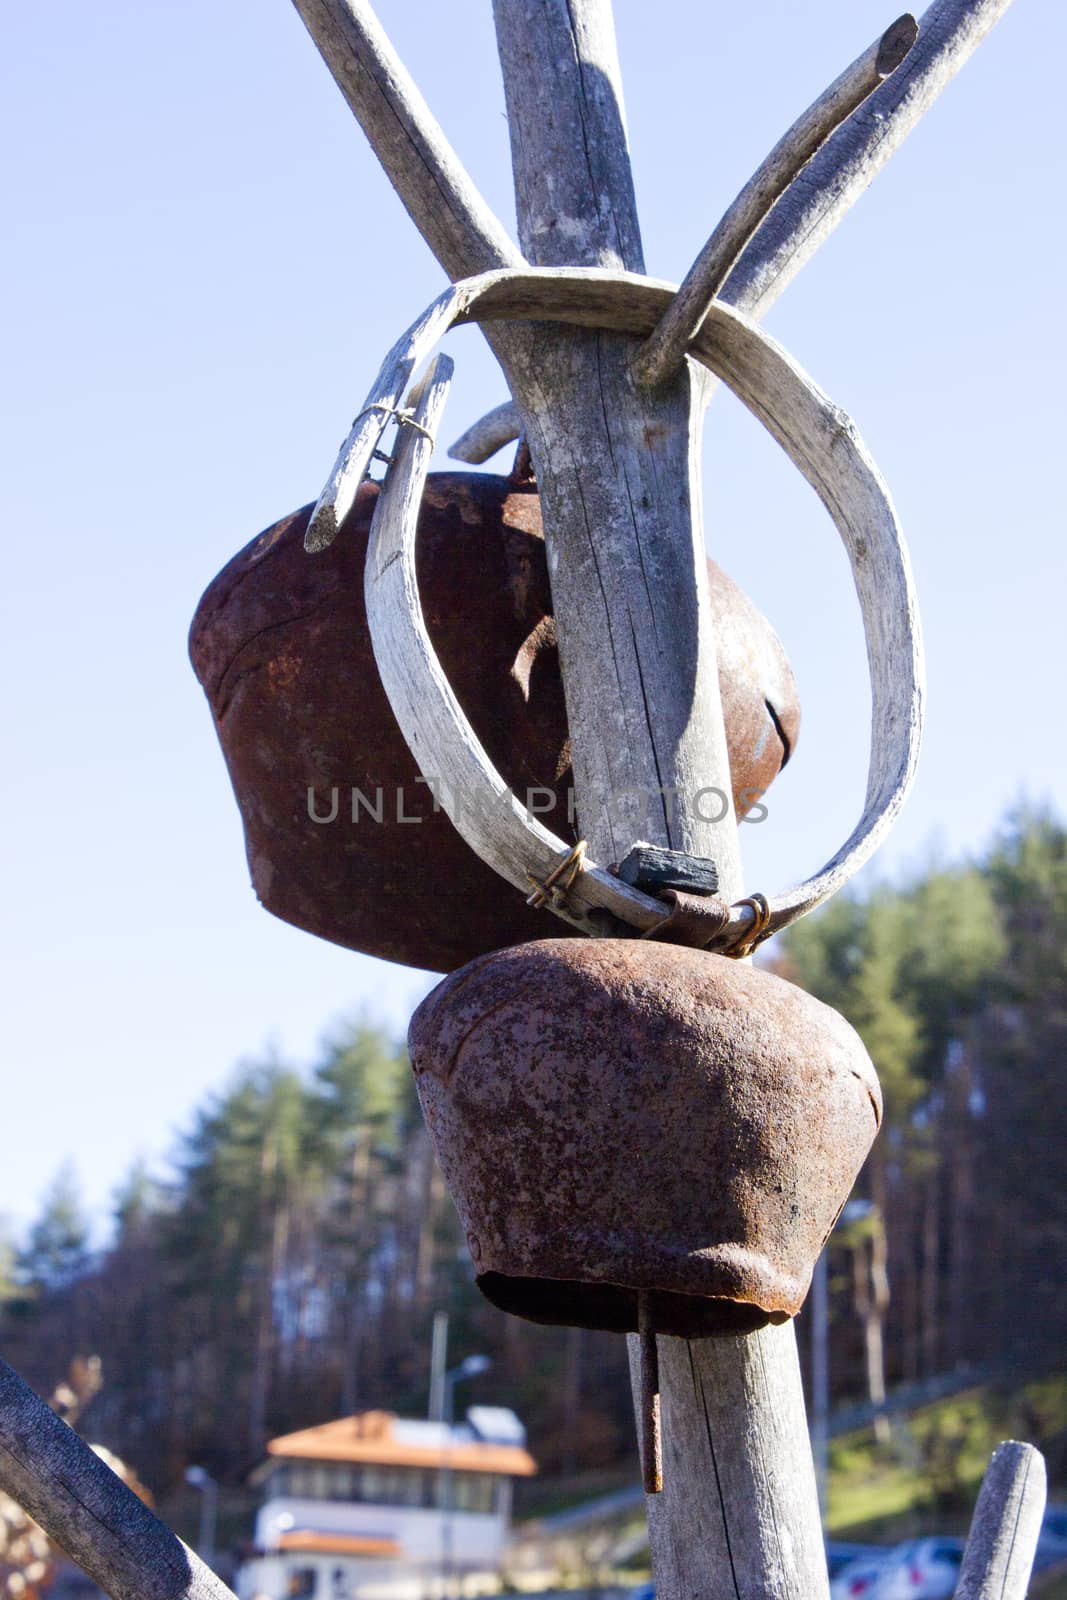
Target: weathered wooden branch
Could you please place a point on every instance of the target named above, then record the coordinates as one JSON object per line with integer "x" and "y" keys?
{"x": 839, "y": 173}
{"x": 488, "y": 435}
{"x": 835, "y": 178}
{"x": 1002, "y": 1542}
{"x": 747, "y": 1523}
{"x": 664, "y": 350}
{"x": 87, "y": 1510}
{"x": 441, "y": 198}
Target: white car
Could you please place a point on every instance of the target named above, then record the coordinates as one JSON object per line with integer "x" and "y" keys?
{"x": 856, "y": 1579}
{"x": 922, "y": 1569}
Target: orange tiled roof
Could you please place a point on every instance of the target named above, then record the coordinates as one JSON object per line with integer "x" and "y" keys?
{"x": 370, "y": 1437}
{"x": 336, "y": 1544}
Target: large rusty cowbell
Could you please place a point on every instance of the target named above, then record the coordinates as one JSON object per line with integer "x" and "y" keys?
{"x": 615, "y": 1117}
{"x": 343, "y": 837}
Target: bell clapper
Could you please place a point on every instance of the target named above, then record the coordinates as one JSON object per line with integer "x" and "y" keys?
{"x": 651, "y": 1437}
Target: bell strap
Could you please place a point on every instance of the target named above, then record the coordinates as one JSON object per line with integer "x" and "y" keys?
{"x": 818, "y": 437}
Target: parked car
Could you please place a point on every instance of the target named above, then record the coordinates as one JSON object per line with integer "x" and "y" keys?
{"x": 856, "y": 1577}
{"x": 921, "y": 1569}
{"x": 840, "y": 1554}
{"x": 1052, "y": 1540}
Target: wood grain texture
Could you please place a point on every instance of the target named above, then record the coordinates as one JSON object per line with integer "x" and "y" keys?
{"x": 664, "y": 350}
{"x": 440, "y": 197}
{"x": 574, "y": 192}
{"x": 1001, "y": 1545}
{"x": 475, "y": 797}
{"x": 829, "y": 186}
{"x": 620, "y": 483}
{"x": 738, "y": 1516}
{"x": 87, "y": 1510}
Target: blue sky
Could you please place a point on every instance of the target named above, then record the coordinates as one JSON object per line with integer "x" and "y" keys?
{"x": 203, "y": 269}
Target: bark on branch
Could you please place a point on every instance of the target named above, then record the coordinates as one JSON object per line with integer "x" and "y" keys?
{"x": 664, "y": 351}
{"x": 836, "y": 176}
{"x": 440, "y": 196}
{"x": 87, "y": 1510}
{"x": 831, "y": 183}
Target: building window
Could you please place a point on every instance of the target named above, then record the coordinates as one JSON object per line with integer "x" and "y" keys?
{"x": 301, "y": 1583}
{"x": 371, "y": 1484}
{"x": 391, "y": 1486}
{"x": 470, "y": 1491}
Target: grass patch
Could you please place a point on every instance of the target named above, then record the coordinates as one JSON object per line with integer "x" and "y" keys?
{"x": 926, "y": 1479}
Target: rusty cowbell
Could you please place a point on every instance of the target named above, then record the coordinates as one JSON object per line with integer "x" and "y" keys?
{"x": 345, "y": 836}
{"x": 628, "y": 1126}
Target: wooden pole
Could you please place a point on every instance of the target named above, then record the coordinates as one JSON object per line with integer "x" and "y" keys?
{"x": 619, "y": 475}
{"x": 87, "y": 1510}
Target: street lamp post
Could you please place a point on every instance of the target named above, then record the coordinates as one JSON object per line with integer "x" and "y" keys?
{"x": 854, "y": 1211}
{"x": 470, "y": 1368}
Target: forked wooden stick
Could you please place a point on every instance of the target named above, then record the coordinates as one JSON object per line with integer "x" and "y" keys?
{"x": 828, "y": 187}
{"x": 830, "y": 184}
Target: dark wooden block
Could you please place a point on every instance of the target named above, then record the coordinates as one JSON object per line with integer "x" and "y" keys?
{"x": 649, "y": 867}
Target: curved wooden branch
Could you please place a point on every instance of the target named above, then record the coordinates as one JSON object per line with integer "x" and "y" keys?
{"x": 488, "y": 435}
{"x": 831, "y": 183}
{"x": 1004, "y": 1529}
{"x": 382, "y": 408}
{"x": 664, "y": 351}
{"x": 819, "y": 438}
{"x": 440, "y": 197}
{"x": 86, "y": 1508}
{"x": 450, "y": 756}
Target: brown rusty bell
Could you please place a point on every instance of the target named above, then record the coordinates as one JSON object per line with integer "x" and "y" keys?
{"x": 620, "y": 1116}
{"x": 281, "y": 647}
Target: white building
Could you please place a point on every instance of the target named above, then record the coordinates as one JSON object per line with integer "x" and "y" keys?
{"x": 383, "y": 1509}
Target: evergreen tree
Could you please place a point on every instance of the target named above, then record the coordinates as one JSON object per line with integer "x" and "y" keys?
{"x": 57, "y": 1252}
{"x": 1023, "y": 1131}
